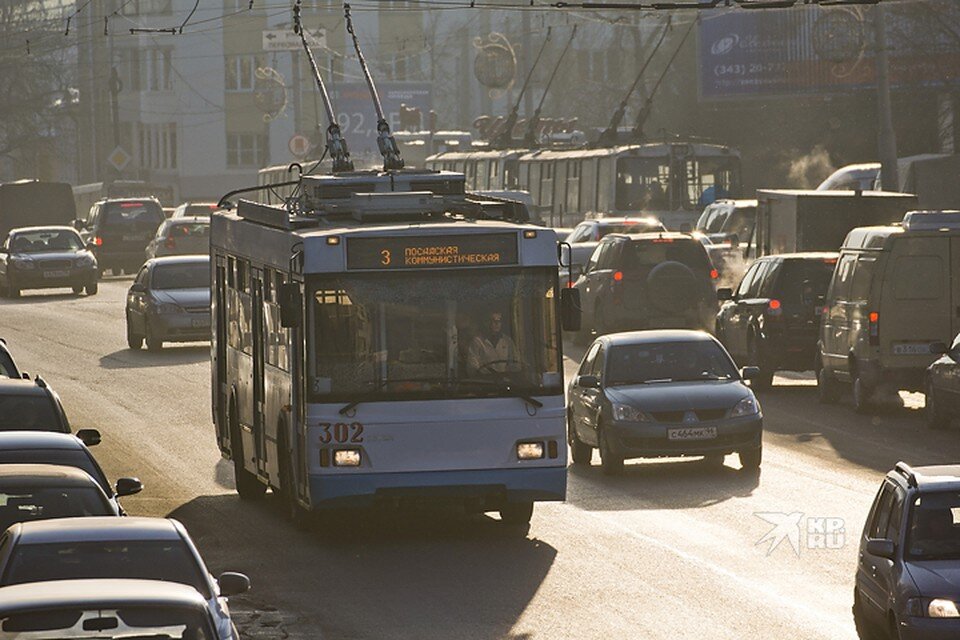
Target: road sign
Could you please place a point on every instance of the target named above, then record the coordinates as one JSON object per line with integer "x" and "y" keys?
{"x": 299, "y": 145}
{"x": 287, "y": 40}
{"x": 119, "y": 158}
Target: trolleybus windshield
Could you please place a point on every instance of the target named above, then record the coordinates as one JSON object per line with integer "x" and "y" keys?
{"x": 420, "y": 335}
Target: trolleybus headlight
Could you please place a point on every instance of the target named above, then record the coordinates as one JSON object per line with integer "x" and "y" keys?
{"x": 530, "y": 450}
{"x": 346, "y": 458}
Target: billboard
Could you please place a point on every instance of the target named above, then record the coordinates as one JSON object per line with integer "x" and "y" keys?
{"x": 358, "y": 118}
{"x": 816, "y": 50}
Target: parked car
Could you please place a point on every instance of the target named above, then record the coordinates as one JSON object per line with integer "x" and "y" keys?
{"x": 195, "y": 210}
{"x": 906, "y": 579}
{"x": 46, "y": 258}
{"x": 107, "y": 609}
{"x": 169, "y": 301}
{"x": 135, "y": 548}
{"x": 648, "y": 394}
{"x": 40, "y": 447}
{"x": 772, "y": 319}
{"x": 180, "y": 236}
{"x": 31, "y": 405}
{"x": 586, "y": 235}
{"x": 892, "y": 296}
{"x": 8, "y": 367}
{"x": 119, "y": 230}
{"x": 44, "y": 491}
{"x": 942, "y": 385}
{"x": 647, "y": 281}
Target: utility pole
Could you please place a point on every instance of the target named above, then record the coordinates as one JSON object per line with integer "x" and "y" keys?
{"x": 887, "y": 136}
{"x": 527, "y": 45}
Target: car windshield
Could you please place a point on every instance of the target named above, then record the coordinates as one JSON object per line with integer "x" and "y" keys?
{"x": 45, "y": 241}
{"x": 107, "y": 623}
{"x": 78, "y": 458}
{"x": 438, "y": 335}
{"x": 28, "y": 413}
{"x": 168, "y": 560}
{"x": 22, "y": 504}
{"x": 802, "y": 282}
{"x": 667, "y": 362}
{"x": 642, "y": 256}
{"x": 933, "y": 532}
{"x": 181, "y": 276}
{"x": 740, "y": 223}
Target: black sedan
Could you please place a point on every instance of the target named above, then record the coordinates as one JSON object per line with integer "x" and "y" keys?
{"x": 44, "y": 258}
{"x": 666, "y": 393}
{"x": 942, "y": 385}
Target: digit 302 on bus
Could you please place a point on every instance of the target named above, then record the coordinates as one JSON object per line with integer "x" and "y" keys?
{"x": 393, "y": 342}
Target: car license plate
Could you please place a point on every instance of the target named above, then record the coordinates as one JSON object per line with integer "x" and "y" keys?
{"x": 692, "y": 433}
{"x": 131, "y": 238}
{"x": 200, "y": 322}
{"x": 911, "y": 349}
{"x": 56, "y": 274}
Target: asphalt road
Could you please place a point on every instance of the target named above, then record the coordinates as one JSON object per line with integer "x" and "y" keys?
{"x": 668, "y": 550}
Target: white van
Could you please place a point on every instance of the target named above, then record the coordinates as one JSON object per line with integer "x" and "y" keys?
{"x": 895, "y": 292}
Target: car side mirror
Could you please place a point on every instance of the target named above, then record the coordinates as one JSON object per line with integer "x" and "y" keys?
{"x": 79, "y": 224}
{"x": 881, "y": 548}
{"x": 91, "y": 247}
{"x": 939, "y": 348}
{"x": 570, "y": 309}
{"x": 724, "y": 293}
{"x": 750, "y": 373}
{"x": 89, "y": 437}
{"x": 588, "y": 382}
{"x": 25, "y": 375}
{"x": 291, "y": 305}
{"x": 232, "y": 583}
{"x": 128, "y": 486}
{"x": 138, "y": 287}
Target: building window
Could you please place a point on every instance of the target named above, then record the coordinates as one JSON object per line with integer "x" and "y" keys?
{"x": 158, "y": 146}
{"x": 146, "y": 7}
{"x": 156, "y": 70}
{"x": 239, "y": 73}
{"x": 246, "y": 150}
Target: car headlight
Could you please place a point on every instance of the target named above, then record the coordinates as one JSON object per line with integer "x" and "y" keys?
{"x": 167, "y": 307}
{"x": 23, "y": 264}
{"x": 746, "y": 407}
{"x": 626, "y": 413}
{"x": 942, "y": 608}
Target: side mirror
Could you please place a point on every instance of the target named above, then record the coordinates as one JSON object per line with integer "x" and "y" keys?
{"x": 588, "y": 382}
{"x": 291, "y": 305}
{"x": 79, "y": 224}
{"x": 570, "y": 309}
{"x": 128, "y": 486}
{"x": 881, "y": 548}
{"x": 138, "y": 287}
{"x": 939, "y": 348}
{"x": 25, "y": 375}
{"x": 232, "y": 583}
{"x": 89, "y": 437}
{"x": 724, "y": 293}
{"x": 91, "y": 247}
{"x": 750, "y": 373}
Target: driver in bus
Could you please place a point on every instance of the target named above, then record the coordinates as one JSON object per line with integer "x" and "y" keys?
{"x": 492, "y": 351}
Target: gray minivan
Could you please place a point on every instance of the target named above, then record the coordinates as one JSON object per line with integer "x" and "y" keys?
{"x": 894, "y": 293}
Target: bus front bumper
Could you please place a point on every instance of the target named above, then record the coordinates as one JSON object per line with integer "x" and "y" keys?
{"x": 481, "y": 490}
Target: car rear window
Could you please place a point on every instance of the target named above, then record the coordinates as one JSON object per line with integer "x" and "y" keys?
{"x": 69, "y": 457}
{"x": 181, "y": 276}
{"x": 28, "y": 413}
{"x": 189, "y": 230}
{"x": 802, "y": 281}
{"x": 134, "y": 214}
{"x": 629, "y": 227}
{"x": 23, "y": 504}
{"x": 199, "y": 210}
{"x": 168, "y": 560}
{"x": 644, "y": 255}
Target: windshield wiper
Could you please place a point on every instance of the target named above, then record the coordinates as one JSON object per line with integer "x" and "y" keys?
{"x": 377, "y": 385}
{"x": 703, "y": 377}
{"x": 498, "y": 386}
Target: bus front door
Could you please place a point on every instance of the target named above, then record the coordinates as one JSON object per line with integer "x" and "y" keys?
{"x": 259, "y": 352}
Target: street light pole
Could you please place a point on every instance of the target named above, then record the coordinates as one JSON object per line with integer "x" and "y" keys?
{"x": 887, "y": 141}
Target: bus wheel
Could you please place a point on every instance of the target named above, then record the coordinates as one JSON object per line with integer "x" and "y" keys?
{"x": 248, "y": 486}
{"x": 516, "y": 513}
{"x": 292, "y": 510}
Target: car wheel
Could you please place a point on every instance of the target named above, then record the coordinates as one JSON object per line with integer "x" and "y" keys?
{"x": 610, "y": 462}
{"x": 92, "y": 288}
{"x": 600, "y": 321}
{"x": 580, "y": 452}
{"x": 893, "y": 629}
{"x": 862, "y": 394}
{"x": 865, "y": 630}
{"x": 13, "y": 292}
{"x": 134, "y": 341}
{"x": 153, "y": 342}
{"x": 934, "y": 415}
{"x": 714, "y": 460}
{"x": 828, "y": 389}
{"x": 516, "y": 513}
{"x": 750, "y": 459}
{"x": 764, "y": 379}
{"x": 77, "y": 290}
{"x": 249, "y": 486}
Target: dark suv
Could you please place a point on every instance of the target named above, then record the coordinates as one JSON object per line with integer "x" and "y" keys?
{"x": 30, "y": 405}
{"x": 647, "y": 281}
{"x": 772, "y": 319}
{"x": 119, "y": 230}
{"x": 907, "y": 582}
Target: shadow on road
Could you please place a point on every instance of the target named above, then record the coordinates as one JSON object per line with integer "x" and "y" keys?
{"x": 430, "y": 575}
{"x": 170, "y": 355}
{"x": 41, "y": 296}
{"x": 658, "y": 484}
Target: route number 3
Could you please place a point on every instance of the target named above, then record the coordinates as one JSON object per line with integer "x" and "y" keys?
{"x": 385, "y": 258}
{"x": 341, "y": 432}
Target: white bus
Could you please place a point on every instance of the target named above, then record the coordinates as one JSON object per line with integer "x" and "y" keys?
{"x": 350, "y": 366}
